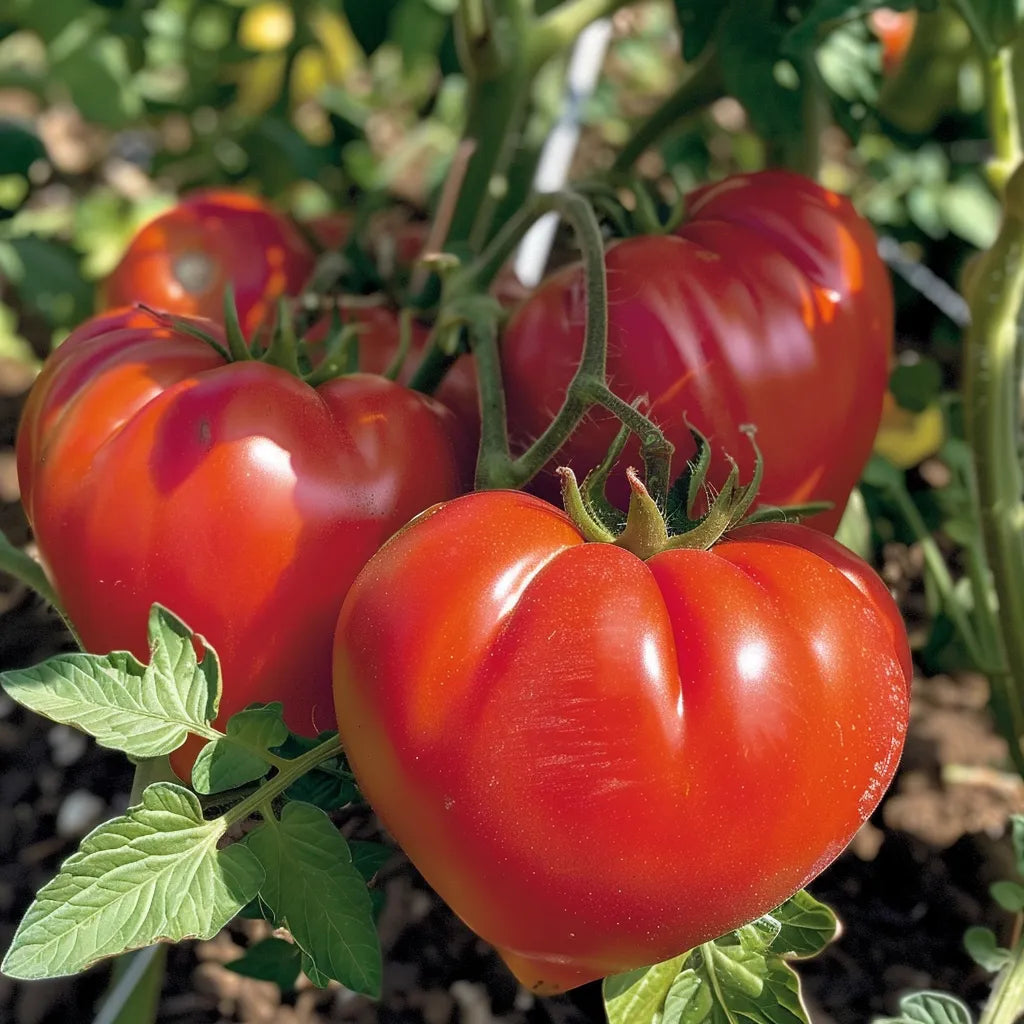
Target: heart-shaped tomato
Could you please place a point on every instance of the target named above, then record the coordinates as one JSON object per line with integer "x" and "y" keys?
{"x": 599, "y": 761}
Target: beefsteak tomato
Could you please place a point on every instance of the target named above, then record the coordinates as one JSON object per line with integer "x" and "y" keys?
{"x": 599, "y": 761}
{"x": 182, "y": 261}
{"x": 769, "y": 306}
{"x": 235, "y": 494}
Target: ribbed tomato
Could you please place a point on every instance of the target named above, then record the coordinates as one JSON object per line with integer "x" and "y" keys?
{"x": 235, "y": 494}
{"x": 769, "y": 306}
{"x": 599, "y": 761}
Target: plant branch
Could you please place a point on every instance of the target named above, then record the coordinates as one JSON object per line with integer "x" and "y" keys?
{"x": 699, "y": 89}
{"x": 292, "y": 770}
{"x": 991, "y": 410}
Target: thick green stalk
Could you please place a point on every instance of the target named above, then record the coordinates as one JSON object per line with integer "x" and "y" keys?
{"x": 992, "y": 417}
{"x": 1003, "y": 117}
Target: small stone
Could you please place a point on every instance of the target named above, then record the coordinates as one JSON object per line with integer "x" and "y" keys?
{"x": 78, "y": 813}
{"x": 67, "y": 745}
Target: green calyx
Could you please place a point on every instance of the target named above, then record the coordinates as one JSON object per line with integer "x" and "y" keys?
{"x": 285, "y": 349}
{"x": 648, "y": 529}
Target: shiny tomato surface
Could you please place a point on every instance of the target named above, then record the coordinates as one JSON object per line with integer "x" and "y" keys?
{"x": 235, "y": 494}
{"x": 600, "y": 762}
{"x": 182, "y": 261}
{"x": 770, "y": 306}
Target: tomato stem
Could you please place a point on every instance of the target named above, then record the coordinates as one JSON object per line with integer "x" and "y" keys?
{"x": 991, "y": 409}
{"x": 287, "y": 774}
{"x": 697, "y": 91}
{"x": 588, "y": 387}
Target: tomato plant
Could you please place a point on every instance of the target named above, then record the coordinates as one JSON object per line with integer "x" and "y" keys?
{"x": 598, "y": 760}
{"x": 153, "y": 470}
{"x": 768, "y": 306}
{"x": 182, "y": 260}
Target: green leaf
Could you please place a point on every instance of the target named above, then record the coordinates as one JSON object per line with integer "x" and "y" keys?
{"x": 756, "y": 73}
{"x": 916, "y": 385}
{"x": 153, "y": 874}
{"x": 1001, "y": 20}
{"x": 236, "y": 758}
{"x": 929, "y": 1008}
{"x": 313, "y": 888}
{"x": 741, "y": 976}
{"x": 971, "y": 211}
{"x": 142, "y": 710}
{"x": 99, "y": 79}
{"x": 329, "y": 786}
{"x": 1009, "y": 895}
{"x": 48, "y": 278}
{"x": 1017, "y": 835}
{"x": 270, "y": 960}
{"x": 639, "y": 996}
{"x": 20, "y": 148}
{"x": 984, "y": 949}
{"x": 697, "y": 22}
{"x": 309, "y": 969}
{"x": 808, "y": 926}
{"x": 369, "y": 858}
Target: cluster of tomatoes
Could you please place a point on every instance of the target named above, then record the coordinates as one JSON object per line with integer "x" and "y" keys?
{"x": 599, "y": 758}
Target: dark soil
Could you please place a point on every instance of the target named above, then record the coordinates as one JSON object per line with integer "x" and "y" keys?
{"x": 912, "y": 881}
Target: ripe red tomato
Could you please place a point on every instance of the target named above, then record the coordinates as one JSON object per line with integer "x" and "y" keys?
{"x": 233, "y": 493}
{"x": 182, "y": 261}
{"x": 600, "y": 762}
{"x": 770, "y": 306}
{"x": 895, "y": 30}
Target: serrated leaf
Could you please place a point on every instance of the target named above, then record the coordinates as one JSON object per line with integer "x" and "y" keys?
{"x": 1009, "y": 895}
{"x": 639, "y": 996}
{"x": 984, "y": 949}
{"x": 807, "y": 926}
{"x": 313, "y": 888}
{"x": 369, "y": 858}
{"x": 690, "y": 1000}
{"x": 697, "y": 21}
{"x": 273, "y": 960}
{"x": 762, "y": 990}
{"x": 152, "y": 874}
{"x": 143, "y": 710}
{"x": 235, "y": 759}
{"x": 929, "y": 1008}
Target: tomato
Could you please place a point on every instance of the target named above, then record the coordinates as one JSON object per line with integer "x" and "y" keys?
{"x": 894, "y": 30}
{"x": 182, "y": 261}
{"x": 600, "y": 762}
{"x": 770, "y": 306}
{"x": 233, "y": 493}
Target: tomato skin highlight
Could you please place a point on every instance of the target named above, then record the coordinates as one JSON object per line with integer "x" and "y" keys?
{"x": 769, "y": 306}
{"x": 235, "y": 494}
{"x": 182, "y": 261}
{"x": 600, "y": 762}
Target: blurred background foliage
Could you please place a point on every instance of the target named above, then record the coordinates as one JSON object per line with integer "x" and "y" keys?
{"x": 111, "y": 108}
